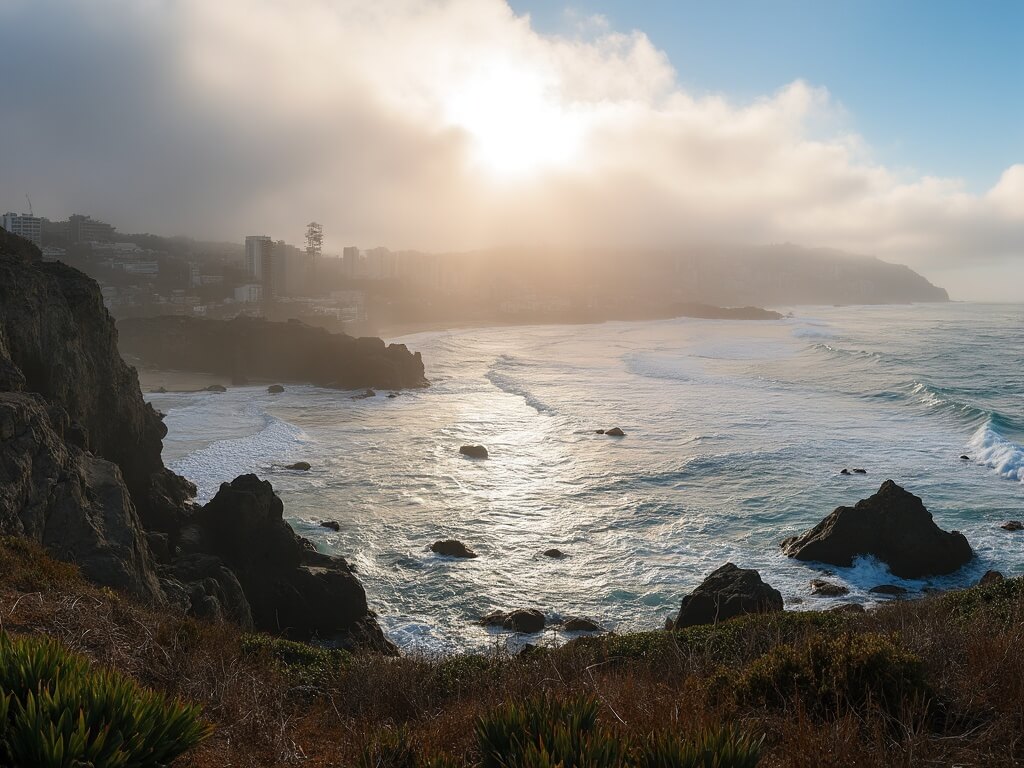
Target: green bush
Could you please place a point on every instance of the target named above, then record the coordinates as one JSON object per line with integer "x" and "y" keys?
{"x": 545, "y": 732}
{"x": 57, "y": 711}
{"x": 392, "y": 748}
{"x": 305, "y": 664}
{"x": 828, "y": 674}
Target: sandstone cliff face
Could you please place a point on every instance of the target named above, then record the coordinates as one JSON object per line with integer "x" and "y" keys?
{"x": 248, "y": 348}
{"x": 81, "y": 473}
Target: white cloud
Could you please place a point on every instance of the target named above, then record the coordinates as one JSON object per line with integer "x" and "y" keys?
{"x": 444, "y": 124}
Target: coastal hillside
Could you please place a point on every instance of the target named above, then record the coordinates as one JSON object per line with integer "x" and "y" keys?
{"x": 251, "y": 348}
{"x": 81, "y": 475}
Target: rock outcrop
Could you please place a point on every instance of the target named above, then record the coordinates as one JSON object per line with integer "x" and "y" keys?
{"x": 892, "y": 525}
{"x": 452, "y": 548}
{"x": 81, "y": 473}
{"x": 474, "y": 451}
{"x": 525, "y": 620}
{"x": 248, "y": 348}
{"x": 726, "y": 593}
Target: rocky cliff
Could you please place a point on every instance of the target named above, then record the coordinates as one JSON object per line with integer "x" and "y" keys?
{"x": 81, "y": 473}
{"x": 248, "y": 348}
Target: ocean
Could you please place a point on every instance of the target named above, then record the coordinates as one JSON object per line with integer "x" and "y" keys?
{"x": 736, "y": 432}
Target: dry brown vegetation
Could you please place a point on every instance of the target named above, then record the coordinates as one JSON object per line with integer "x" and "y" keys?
{"x": 938, "y": 681}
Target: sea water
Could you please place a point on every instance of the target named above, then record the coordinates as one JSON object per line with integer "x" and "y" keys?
{"x": 736, "y": 433}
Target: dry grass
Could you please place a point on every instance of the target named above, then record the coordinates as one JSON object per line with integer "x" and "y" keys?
{"x": 280, "y": 704}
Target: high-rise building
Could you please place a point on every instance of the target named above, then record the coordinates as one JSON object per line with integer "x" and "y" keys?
{"x": 350, "y": 262}
{"x": 85, "y": 229}
{"x": 26, "y": 226}
{"x": 258, "y": 253}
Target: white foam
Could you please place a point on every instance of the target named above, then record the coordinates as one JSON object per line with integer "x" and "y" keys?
{"x": 812, "y": 333}
{"x": 994, "y": 450}
{"x": 513, "y": 386}
{"x": 223, "y": 460}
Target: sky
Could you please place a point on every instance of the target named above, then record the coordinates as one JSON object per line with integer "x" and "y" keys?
{"x": 894, "y": 129}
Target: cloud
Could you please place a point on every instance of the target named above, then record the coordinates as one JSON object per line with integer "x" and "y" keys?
{"x": 444, "y": 124}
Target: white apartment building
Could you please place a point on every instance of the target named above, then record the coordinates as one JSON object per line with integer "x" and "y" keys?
{"x": 23, "y": 225}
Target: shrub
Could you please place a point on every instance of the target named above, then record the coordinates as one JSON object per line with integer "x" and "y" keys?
{"x": 305, "y": 664}
{"x": 713, "y": 748}
{"x": 59, "y": 712}
{"x": 393, "y": 748}
{"x": 827, "y": 674}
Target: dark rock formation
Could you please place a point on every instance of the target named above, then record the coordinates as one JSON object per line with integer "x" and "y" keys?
{"x": 615, "y": 432}
{"x": 526, "y": 620}
{"x": 299, "y": 466}
{"x": 727, "y": 592}
{"x": 474, "y": 451}
{"x": 275, "y": 389}
{"x": 81, "y": 473}
{"x": 216, "y": 388}
{"x": 70, "y": 501}
{"x": 991, "y": 577}
{"x": 580, "y": 624}
{"x": 894, "y": 526}
{"x": 859, "y": 471}
{"x": 828, "y": 588}
{"x": 334, "y": 525}
{"x": 452, "y": 548}
{"x": 888, "y": 589}
{"x": 964, "y": 457}
{"x": 1013, "y": 525}
{"x": 598, "y": 431}
{"x": 291, "y": 588}
{"x": 555, "y": 553}
{"x": 261, "y": 349}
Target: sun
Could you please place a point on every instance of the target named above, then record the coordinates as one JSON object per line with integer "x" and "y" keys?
{"x": 516, "y": 125}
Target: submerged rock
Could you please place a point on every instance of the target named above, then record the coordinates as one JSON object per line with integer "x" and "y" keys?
{"x": 299, "y": 466}
{"x": 555, "y": 553}
{"x": 859, "y": 471}
{"x": 615, "y": 432}
{"x": 275, "y": 389}
{"x": 1013, "y": 525}
{"x": 452, "y": 548}
{"x": 334, "y": 525}
{"x": 892, "y": 525}
{"x": 964, "y": 457}
{"x": 727, "y": 592}
{"x": 216, "y": 388}
{"x": 474, "y": 451}
{"x": 364, "y": 394}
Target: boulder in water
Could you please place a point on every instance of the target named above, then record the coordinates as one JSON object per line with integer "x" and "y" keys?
{"x": 615, "y": 432}
{"x": 859, "y": 471}
{"x": 964, "y": 457}
{"x": 844, "y": 471}
{"x": 474, "y": 451}
{"x": 892, "y": 525}
{"x": 300, "y": 466}
{"x": 1013, "y": 525}
{"x": 727, "y": 592}
{"x": 828, "y": 588}
{"x": 275, "y": 389}
{"x": 334, "y": 525}
{"x": 599, "y": 431}
{"x": 216, "y": 388}
{"x": 452, "y": 548}
{"x": 555, "y": 553}
{"x": 526, "y": 620}
{"x": 580, "y": 624}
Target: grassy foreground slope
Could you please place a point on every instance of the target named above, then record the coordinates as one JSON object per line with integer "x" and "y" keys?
{"x": 938, "y": 681}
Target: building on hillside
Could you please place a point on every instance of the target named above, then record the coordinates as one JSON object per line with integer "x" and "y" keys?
{"x": 258, "y": 253}
{"x": 26, "y": 226}
{"x": 85, "y": 229}
{"x": 350, "y": 262}
{"x": 249, "y": 294}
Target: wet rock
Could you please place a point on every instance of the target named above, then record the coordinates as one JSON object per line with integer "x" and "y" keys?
{"x": 1013, "y": 525}
{"x": 555, "y": 553}
{"x": 580, "y": 624}
{"x": 859, "y": 471}
{"x": 615, "y": 432}
{"x": 275, "y": 389}
{"x": 334, "y": 525}
{"x": 990, "y": 577}
{"x": 894, "y": 526}
{"x": 599, "y": 431}
{"x": 964, "y": 457}
{"x": 299, "y": 466}
{"x": 474, "y": 451}
{"x": 828, "y": 588}
{"x": 844, "y": 471}
{"x": 452, "y": 548}
{"x": 727, "y": 592}
{"x": 365, "y": 394}
{"x": 525, "y": 620}
{"x": 888, "y": 589}
{"x": 216, "y": 388}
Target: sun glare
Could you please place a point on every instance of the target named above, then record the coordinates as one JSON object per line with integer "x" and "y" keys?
{"x": 516, "y": 126}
